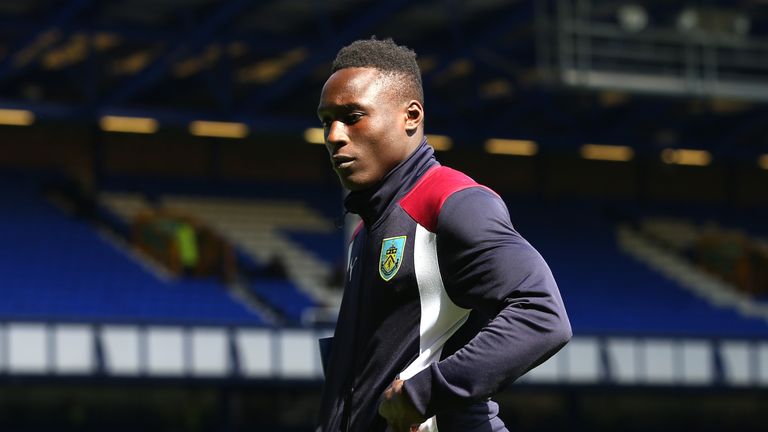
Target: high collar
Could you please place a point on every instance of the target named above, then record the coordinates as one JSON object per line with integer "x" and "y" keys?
{"x": 371, "y": 203}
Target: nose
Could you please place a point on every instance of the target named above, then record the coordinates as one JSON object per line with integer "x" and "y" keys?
{"x": 336, "y": 134}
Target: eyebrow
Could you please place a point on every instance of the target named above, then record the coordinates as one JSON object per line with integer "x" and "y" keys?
{"x": 341, "y": 108}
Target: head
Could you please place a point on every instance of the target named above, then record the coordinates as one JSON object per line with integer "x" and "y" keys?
{"x": 372, "y": 110}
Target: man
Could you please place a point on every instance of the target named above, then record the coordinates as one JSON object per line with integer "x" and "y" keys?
{"x": 444, "y": 303}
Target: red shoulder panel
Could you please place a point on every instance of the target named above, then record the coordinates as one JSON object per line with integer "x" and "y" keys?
{"x": 356, "y": 232}
{"x": 424, "y": 201}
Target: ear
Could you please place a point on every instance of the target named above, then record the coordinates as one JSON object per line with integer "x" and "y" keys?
{"x": 414, "y": 116}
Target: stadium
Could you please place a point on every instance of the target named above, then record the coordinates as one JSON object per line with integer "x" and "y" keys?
{"x": 174, "y": 240}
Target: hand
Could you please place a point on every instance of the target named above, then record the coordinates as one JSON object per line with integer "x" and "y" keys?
{"x": 398, "y": 410}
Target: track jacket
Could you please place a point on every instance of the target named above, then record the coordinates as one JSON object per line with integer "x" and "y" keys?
{"x": 441, "y": 291}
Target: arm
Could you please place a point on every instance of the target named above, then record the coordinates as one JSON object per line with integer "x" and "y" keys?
{"x": 488, "y": 267}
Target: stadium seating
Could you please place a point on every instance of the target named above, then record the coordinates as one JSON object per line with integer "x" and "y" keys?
{"x": 606, "y": 291}
{"x": 56, "y": 267}
{"x": 262, "y": 228}
{"x": 284, "y": 296}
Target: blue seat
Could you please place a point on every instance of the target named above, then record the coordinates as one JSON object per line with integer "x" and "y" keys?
{"x": 607, "y": 292}
{"x": 58, "y": 268}
{"x": 284, "y": 296}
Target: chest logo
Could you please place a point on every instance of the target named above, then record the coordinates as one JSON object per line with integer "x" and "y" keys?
{"x": 391, "y": 256}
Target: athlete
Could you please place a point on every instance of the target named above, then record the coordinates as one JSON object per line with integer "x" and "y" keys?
{"x": 444, "y": 303}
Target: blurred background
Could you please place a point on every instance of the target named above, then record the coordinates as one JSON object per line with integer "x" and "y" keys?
{"x": 168, "y": 222}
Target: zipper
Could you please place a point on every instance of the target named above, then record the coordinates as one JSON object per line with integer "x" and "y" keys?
{"x": 347, "y": 413}
{"x": 347, "y": 404}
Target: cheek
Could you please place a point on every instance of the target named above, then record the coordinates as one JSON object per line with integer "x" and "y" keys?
{"x": 378, "y": 143}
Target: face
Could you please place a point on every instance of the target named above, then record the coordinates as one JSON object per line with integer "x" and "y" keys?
{"x": 368, "y": 128}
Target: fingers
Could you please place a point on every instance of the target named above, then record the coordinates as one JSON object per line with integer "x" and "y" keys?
{"x": 389, "y": 393}
{"x": 385, "y": 407}
{"x": 396, "y": 410}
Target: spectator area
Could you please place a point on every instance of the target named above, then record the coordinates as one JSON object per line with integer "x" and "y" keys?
{"x": 608, "y": 292}
{"x": 283, "y": 295}
{"x": 293, "y": 225}
{"x": 60, "y": 267}
{"x": 56, "y": 267}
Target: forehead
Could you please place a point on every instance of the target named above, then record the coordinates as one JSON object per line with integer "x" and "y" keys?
{"x": 353, "y": 86}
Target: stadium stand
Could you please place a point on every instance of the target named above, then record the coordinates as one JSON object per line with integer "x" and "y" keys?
{"x": 285, "y": 297}
{"x": 61, "y": 268}
{"x": 607, "y": 291}
{"x": 264, "y": 230}
{"x": 573, "y": 105}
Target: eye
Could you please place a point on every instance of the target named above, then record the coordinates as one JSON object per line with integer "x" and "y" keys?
{"x": 352, "y": 118}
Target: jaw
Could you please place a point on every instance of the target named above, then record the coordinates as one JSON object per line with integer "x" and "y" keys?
{"x": 349, "y": 183}
{"x": 354, "y": 180}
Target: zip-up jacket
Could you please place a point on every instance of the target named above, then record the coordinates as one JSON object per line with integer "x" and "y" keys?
{"x": 442, "y": 292}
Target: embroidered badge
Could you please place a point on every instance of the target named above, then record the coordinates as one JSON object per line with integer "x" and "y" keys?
{"x": 391, "y": 256}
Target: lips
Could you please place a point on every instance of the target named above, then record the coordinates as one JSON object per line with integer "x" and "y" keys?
{"x": 342, "y": 161}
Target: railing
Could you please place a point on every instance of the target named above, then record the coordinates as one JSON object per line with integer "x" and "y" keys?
{"x": 120, "y": 351}
{"x": 159, "y": 351}
{"x": 584, "y": 51}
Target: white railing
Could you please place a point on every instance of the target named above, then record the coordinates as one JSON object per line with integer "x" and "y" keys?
{"x": 250, "y": 353}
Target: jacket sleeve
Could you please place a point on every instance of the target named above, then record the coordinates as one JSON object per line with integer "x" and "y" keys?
{"x": 489, "y": 268}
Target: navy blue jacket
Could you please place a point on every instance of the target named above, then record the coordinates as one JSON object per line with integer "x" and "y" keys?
{"x": 441, "y": 291}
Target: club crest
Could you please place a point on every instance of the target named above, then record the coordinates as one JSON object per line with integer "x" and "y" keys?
{"x": 391, "y": 256}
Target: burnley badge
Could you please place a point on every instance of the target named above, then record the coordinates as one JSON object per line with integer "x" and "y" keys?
{"x": 391, "y": 256}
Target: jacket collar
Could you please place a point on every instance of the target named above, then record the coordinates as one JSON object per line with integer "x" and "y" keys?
{"x": 371, "y": 203}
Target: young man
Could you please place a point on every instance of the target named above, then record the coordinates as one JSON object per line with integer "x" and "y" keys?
{"x": 444, "y": 303}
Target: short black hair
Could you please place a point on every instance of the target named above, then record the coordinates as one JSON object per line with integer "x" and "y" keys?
{"x": 387, "y": 57}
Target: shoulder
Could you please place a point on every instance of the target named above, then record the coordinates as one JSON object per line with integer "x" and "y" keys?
{"x": 426, "y": 200}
